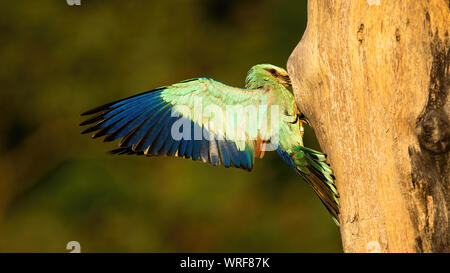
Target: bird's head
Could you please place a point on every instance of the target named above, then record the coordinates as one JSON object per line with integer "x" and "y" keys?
{"x": 267, "y": 74}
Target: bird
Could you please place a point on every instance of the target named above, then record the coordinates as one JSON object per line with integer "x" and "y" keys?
{"x": 192, "y": 119}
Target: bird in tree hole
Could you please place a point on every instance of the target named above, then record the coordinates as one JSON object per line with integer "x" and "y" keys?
{"x": 203, "y": 119}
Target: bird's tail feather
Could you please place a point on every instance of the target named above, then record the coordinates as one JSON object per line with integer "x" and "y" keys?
{"x": 311, "y": 165}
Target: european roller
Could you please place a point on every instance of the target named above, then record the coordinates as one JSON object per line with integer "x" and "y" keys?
{"x": 203, "y": 119}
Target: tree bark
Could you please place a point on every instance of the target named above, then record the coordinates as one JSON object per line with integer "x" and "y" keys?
{"x": 372, "y": 76}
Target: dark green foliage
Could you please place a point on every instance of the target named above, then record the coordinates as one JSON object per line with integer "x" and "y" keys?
{"x": 57, "y": 60}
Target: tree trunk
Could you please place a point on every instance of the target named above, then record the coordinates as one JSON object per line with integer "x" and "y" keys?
{"x": 372, "y": 76}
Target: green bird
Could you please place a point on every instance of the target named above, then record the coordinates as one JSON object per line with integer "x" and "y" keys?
{"x": 203, "y": 119}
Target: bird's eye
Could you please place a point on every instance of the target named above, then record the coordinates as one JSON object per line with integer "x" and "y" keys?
{"x": 273, "y": 71}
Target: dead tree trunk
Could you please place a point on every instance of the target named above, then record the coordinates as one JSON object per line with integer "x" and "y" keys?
{"x": 373, "y": 78}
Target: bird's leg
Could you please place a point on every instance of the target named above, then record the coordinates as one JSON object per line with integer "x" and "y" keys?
{"x": 302, "y": 129}
{"x": 301, "y": 120}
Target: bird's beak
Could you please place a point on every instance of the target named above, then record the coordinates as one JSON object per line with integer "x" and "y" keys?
{"x": 285, "y": 80}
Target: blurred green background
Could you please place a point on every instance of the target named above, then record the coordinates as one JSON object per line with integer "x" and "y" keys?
{"x": 57, "y": 185}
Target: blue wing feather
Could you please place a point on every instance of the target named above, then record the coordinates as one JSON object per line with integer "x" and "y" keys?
{"x": 224, "y": 155}
{"x": 143, "y": 123}
{"x": 232, "y": 148}
{"x": 144, "y": 128}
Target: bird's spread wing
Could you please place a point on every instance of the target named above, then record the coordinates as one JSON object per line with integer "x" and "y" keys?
{"x": 181, "y": 120}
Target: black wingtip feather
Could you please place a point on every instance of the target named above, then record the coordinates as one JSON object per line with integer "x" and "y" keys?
{"x": 116, "y": 151}
{"x": 125, "y": 151}
{"x": 97, "y": 109}
{"x": 92, "y": 120}
{"x": 94, "y": 128}
{"x": 103, "y": 131}
{"x": 111, "y": 137}
{"x": 90, "y": 130}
